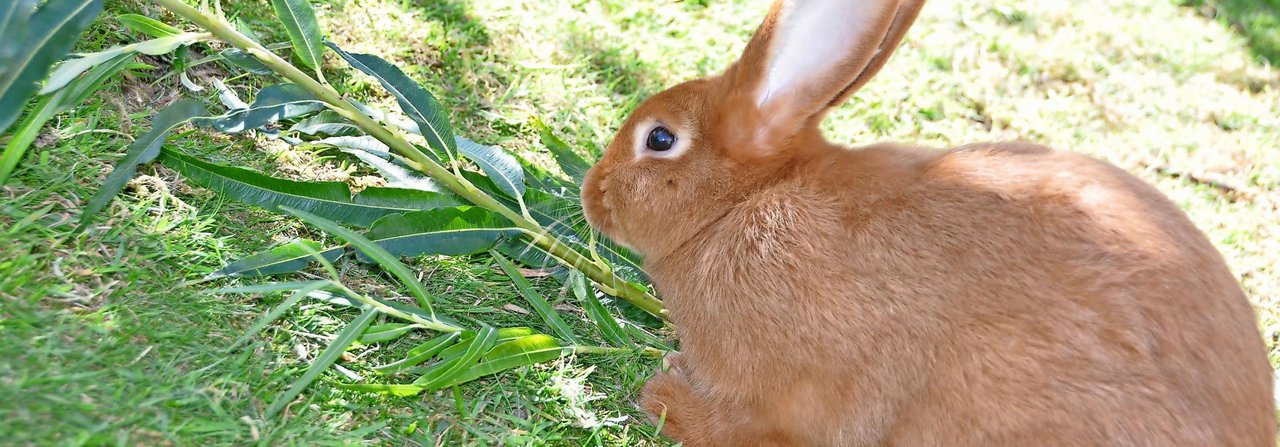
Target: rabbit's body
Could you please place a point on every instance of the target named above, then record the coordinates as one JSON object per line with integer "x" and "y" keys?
{"x": 990, "y": 295}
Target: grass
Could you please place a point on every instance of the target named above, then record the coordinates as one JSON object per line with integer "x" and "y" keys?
{"x": 1257, "y": 20}
{"x": 102, "y": 346}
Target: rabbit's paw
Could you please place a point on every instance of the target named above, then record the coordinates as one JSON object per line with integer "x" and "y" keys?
{"x": 672, "y": 404}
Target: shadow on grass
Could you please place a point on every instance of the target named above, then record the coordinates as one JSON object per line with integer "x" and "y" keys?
{"x": 1257, "y": 20}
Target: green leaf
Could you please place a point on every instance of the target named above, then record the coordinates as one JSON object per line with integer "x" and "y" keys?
{"x": 570, "y": 162}
{"x": 331, "y": 200}
{"x": 386, "y": 332}
{"x": 31, "y": 42}
{"x": 304, "y": 31}
{"x": 639, "y": 334}
{"x": 286, "y": 258}
{"x": 70, "y": 69}
{"x": 228, "y": 97}
{"x": 280, "y": 309}
{"x": 504, "y": 334}
{"x": 48, "y": 106}
{"x": 449, "y": 370}
{"x": 539, "y": 304}
{"x": 273, "y": 103}
{"x": 143, "y": 150}
{"x": 379, "y": 255}
{"x": 453, "y": 231}
{"x": 419, "y": 354}
{"x": 14, "y": 17}
{"x": 147, "y": 25}
{"x": 524, "y": 351}
{"x": 267, "y": 287}
{"x": 500, "y": 166}
{"x": 377, "y": 155}
{"x": 416, "y": 102}
{"x": 26, "y": 133}
{"x": 609, "y": 327}
{"x": 80, "y": 89}
{"x": 324, "y": 360}
{"x": 327, "y": 123}
{"x": 243, "y": 60}
{"x": 364, "y": 143}
{"x": 397, "y": 390}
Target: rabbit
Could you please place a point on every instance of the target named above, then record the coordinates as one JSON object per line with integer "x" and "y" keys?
{"x": 996, "y": 294}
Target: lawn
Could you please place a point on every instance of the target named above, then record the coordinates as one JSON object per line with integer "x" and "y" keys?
{"x": 104, "y": 342}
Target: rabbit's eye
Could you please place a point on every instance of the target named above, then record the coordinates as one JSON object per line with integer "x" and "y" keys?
{"x": 660, "y": 139}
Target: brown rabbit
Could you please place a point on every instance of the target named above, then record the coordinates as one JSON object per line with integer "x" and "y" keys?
{"x": 1001, "y": 294}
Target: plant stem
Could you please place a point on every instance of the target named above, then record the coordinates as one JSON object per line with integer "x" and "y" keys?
{"x": 429, "y": 324}
{"x": 651, "y": 352}
{"x": 538, "y": 235}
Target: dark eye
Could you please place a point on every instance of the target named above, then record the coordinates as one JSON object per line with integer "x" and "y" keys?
{"x": 660, "y": 139}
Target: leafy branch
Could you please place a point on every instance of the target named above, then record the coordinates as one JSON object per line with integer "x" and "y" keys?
{"x": 415, "y": 158}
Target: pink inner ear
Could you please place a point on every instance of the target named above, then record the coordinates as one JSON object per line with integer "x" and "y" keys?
{"x": 813, "y": 39}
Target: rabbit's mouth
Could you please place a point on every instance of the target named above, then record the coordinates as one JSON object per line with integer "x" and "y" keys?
{"x": 595, "y": 206}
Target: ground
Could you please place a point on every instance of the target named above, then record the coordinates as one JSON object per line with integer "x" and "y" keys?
{"x": 104, "y": 343}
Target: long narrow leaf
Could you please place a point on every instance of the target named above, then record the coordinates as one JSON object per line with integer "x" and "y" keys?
{"x": 386, "y": 332}
{"x": 570, "y": 162}
{"x": 416, "y": 102}
{"x": 380, "y": 255}
{"x": 324, "y": 360}
{"x": 604, "y": 320}
{"x": 484, "y": 340}
{"x": 26, "y": 132}
{"x": 14, "y": 17}
{"x": 397, "y": 390}
{"x": 326, "y": 123}
{"x": 143, "y": 150}
{"x": 304, "y": 31}
{"x": 266, "y": 288}
{"x": 279, "y": 310}
{"x": 500, "y": 166}
{"x": 68, "y": 70}
{"x": 644, "y": 337}
{"x": 50, "y": 105}
{"x": 525, "y": 351}
{"x": 272, "y": 103}
{"x": 243, "y": 60}
{"x": 452, "y": 231}
{"x": 27, "y": 52}
{"x": 80, "y": 89}
{"x": 147, "y": 25}
{"x": 376, "y": 154}
{"x": 419, "y": 354}
{"x": 286, "y": 258}
{"x": 539, "y": 304}
{"x": 331, "y": 200}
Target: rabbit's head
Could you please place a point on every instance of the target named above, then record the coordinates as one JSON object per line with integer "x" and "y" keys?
{"x": 688, "y": 155}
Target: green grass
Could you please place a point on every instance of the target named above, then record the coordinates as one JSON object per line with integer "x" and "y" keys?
{"x": 1257, "y": 20}
{"x": 103, "y": 346}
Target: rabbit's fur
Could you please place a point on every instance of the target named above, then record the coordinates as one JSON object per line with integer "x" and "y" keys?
{"x": 1001, "y": 294}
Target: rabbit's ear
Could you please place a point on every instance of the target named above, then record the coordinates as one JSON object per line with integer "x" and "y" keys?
{"x": 809, "y": 56}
